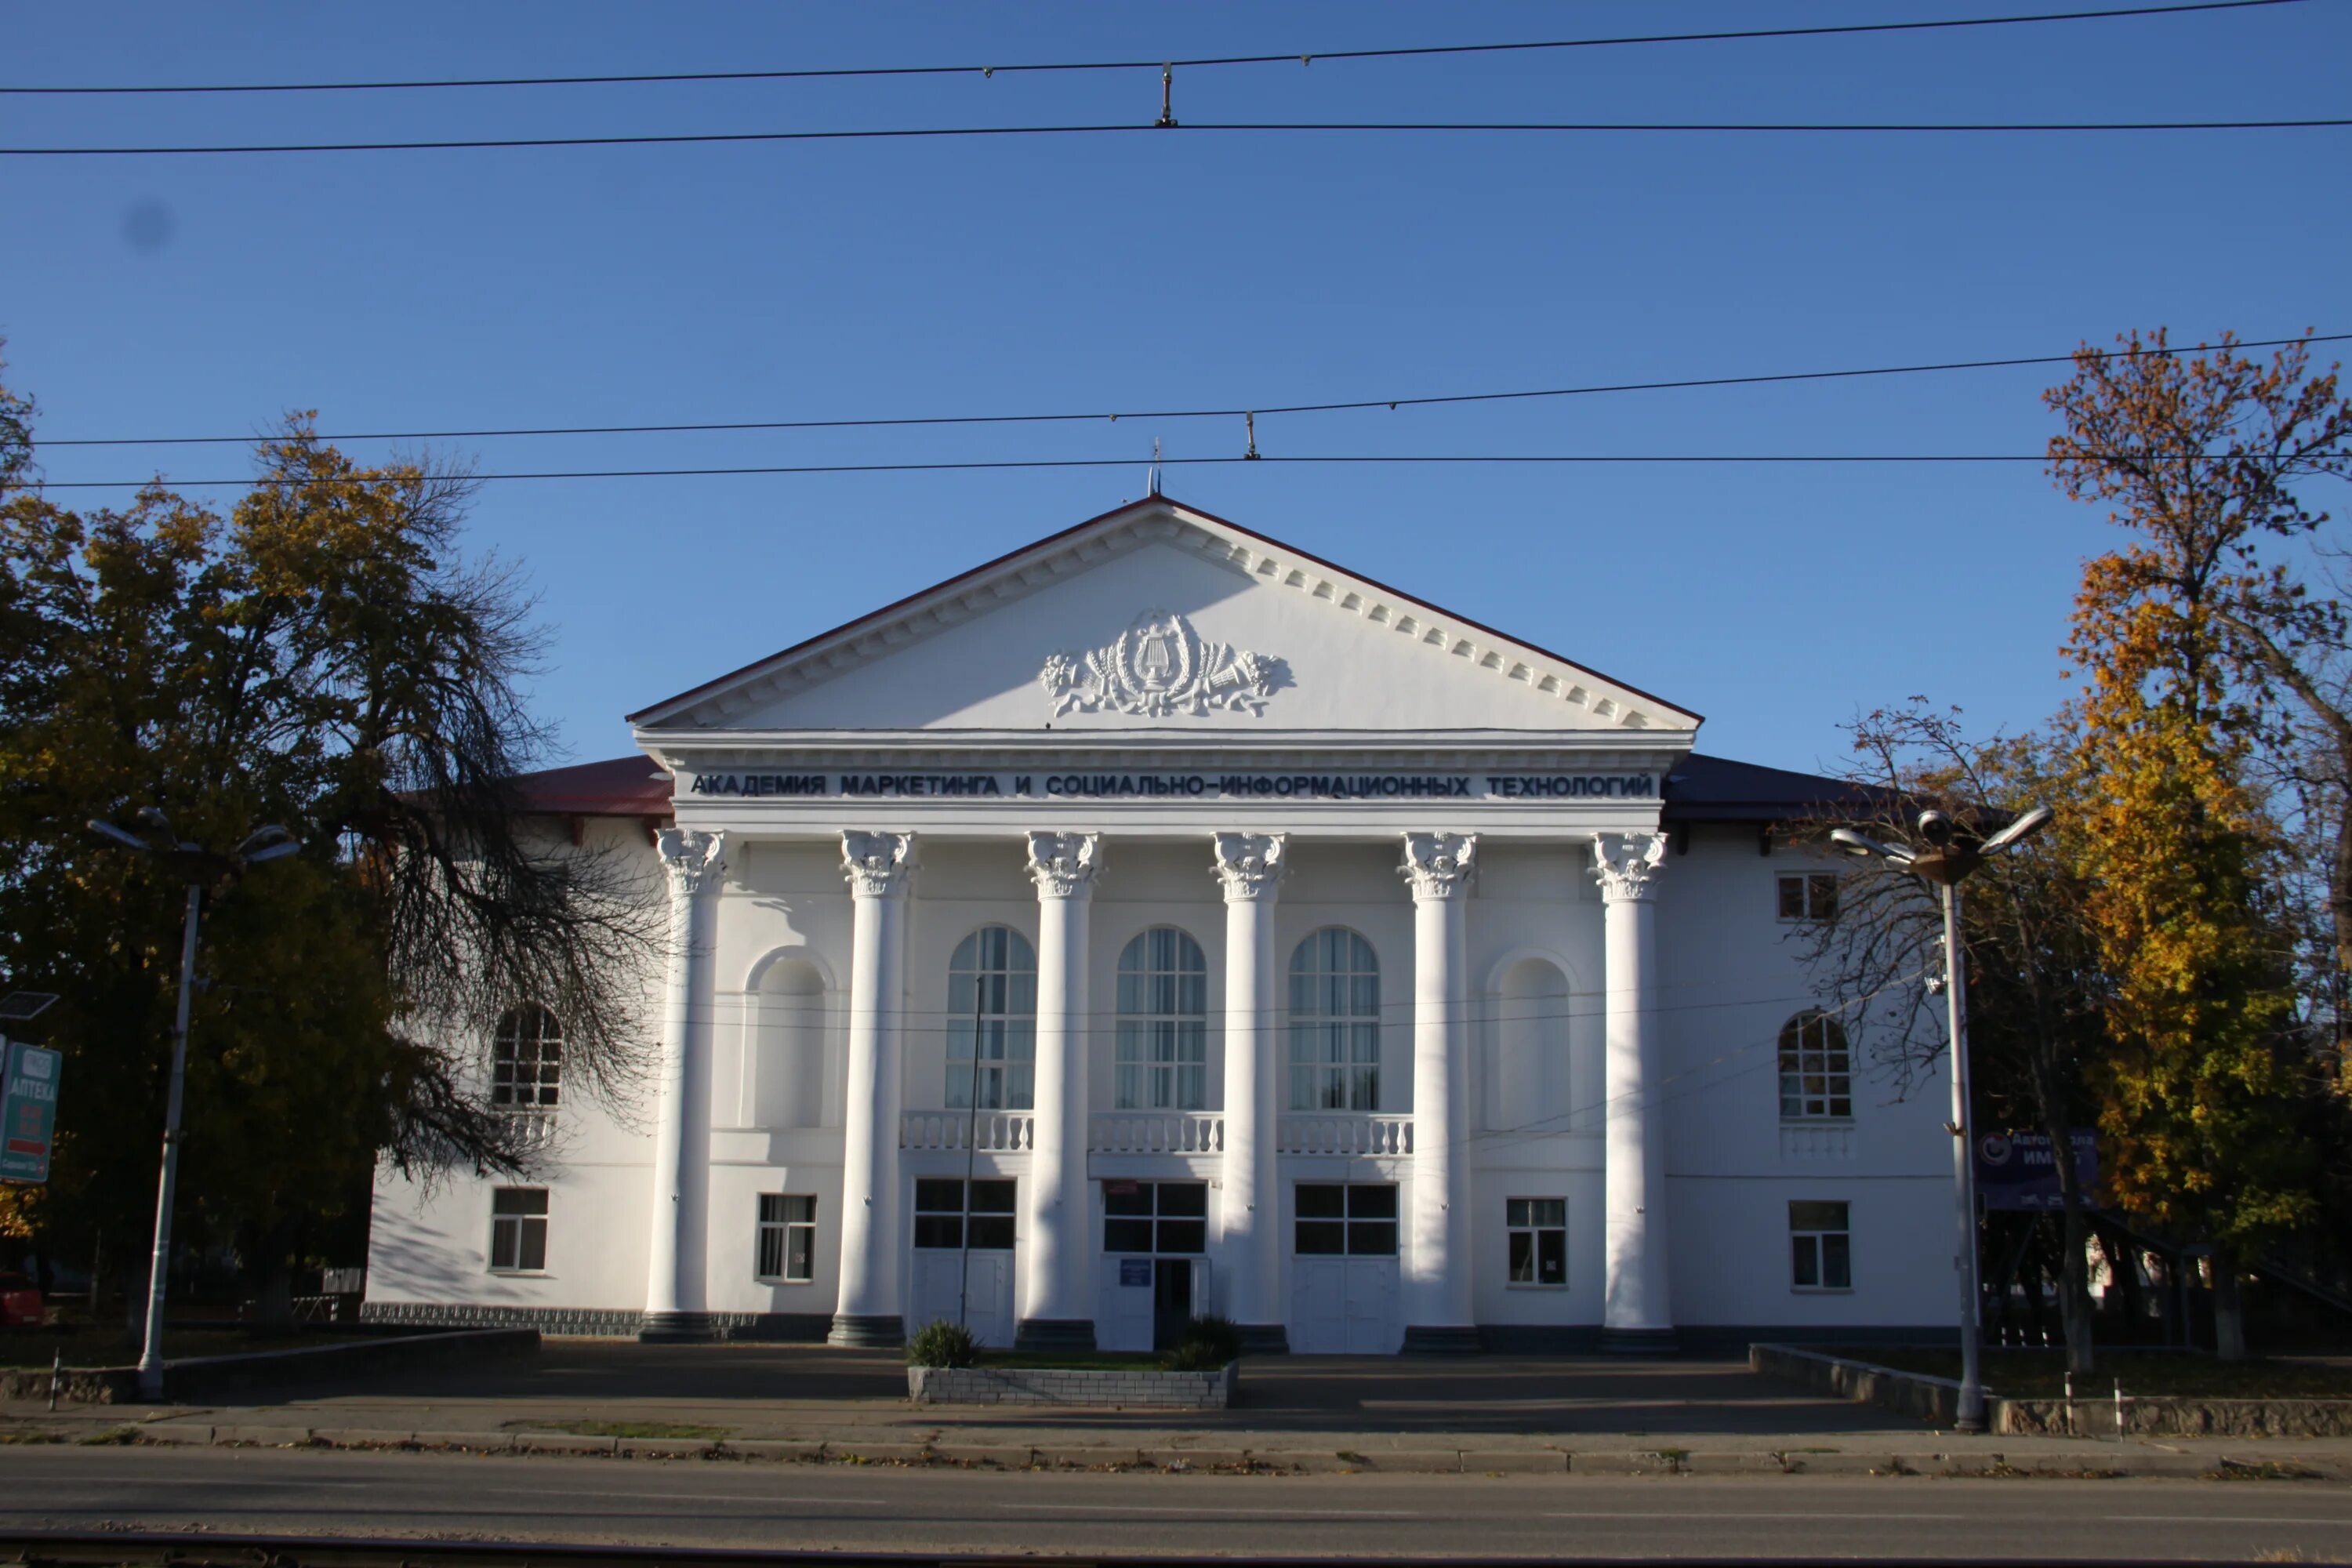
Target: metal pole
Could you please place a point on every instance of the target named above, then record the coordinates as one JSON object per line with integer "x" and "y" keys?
{"x": 971, "y": 1135}
{"x": 151, "y": 1358}
{"x": 1972, "y": 1401}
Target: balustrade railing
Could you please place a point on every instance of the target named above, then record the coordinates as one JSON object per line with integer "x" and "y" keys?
{"x": 997, "y": 1131}
{"x": 1157, "y": 1133}
{"x": 1337, "y": 1134}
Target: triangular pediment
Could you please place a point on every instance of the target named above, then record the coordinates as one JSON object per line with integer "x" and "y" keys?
{"x": 1159, "y": 617}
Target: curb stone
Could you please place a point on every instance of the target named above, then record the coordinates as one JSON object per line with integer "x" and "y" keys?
{"x": 667, "y": 1448}
{"x": 771, "y": 1449}
{"x": 1637, "y": 1464}
{"x": 266, "y": 1436}
{"x": 1210, "y": 1458}
{"x": 1087, "y": 1458}
{"x": 176, "y": 1434}
{"x": 881, "y": 1454}
{"x": 1741, "y": 1464}
{"x": 485, "y": 1442}
{"x": 1004, "y": 1456}
{"x": 564, "y": 1443}
{"x": 1514, "y": 1462}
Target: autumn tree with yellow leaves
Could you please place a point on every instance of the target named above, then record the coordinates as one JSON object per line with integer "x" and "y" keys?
{"x": 2210, "y": 1041}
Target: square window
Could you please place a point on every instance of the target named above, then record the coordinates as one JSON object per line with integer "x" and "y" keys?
{"x": 1807, "y": 895}
{"x": 1126, "y": 1236}
{"x": 1319, "y": 1201}
{"x": 1321, "y": 1238}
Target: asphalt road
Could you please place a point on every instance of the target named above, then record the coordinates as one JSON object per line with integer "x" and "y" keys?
{"x": 701, "y": 1503}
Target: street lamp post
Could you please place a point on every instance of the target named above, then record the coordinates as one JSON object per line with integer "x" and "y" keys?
{"x": 1945, "y": 859}
{"x": 199, "y": 868}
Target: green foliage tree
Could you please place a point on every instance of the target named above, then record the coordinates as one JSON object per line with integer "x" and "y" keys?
{"x": 324, "y": 657}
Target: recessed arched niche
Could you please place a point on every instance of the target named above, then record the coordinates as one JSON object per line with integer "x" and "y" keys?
{"x": 788, "y": 1079}
{"x": 1529, "y": 1064}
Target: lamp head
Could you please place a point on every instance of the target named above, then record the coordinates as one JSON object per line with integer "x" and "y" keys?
{"x": 117, "y": 837}
{"x": 1935, "y": 827}
{"x": 272, "y": 843}
{"x": 1860, "y": 844}
{"x": 2024, "y": 829}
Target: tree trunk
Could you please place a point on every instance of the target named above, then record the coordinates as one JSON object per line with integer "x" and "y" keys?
{"x": 2339, "y": 906}
{"x": 2074, "y": 1265}
{"x": 2228, "y": 1310}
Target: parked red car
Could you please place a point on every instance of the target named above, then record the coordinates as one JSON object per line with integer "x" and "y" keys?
{"x": 20, "y": 1303}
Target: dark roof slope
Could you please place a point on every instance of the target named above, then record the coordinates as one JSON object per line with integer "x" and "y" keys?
{"x": 1700, "y": 789}
{"x": 1717, "y": 789}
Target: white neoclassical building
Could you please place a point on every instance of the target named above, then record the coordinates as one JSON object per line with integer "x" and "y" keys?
{"x": 1160, "y": 920}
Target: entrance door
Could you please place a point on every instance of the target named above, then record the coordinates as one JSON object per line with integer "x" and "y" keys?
{"x": 1171, "y": 1301}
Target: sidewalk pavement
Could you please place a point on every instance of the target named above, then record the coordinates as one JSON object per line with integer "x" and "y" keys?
{"x": 1490, "y": 1415}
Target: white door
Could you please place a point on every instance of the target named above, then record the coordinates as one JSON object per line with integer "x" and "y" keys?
{"x": 1123, "y": 1311}
{"x": 1318, "y": 1306}
{"x": 938, "y": 1286}
{"x": 1370, "y": 1306}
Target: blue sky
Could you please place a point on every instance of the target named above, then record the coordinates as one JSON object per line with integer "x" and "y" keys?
{"x": 150, "y": 296}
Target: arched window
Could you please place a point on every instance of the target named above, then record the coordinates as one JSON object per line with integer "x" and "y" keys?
{"x": 1816, "y": 1073}
{"x": 992, "y": 1001}
{"x": 1163, "y": 1023}
{"x": 1335, "y": 1023}
{"x": 526, "y": 1060}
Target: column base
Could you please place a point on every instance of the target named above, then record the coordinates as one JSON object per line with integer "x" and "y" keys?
{"x": 870, "y": 1333}
{"x": 1054, "y": 1334}
{"x": 676, "y": 1329}
{"x": 1443, "y": 1339}
{"x": 1263, "y": 1339}
{"x": 1638, "y": 1341}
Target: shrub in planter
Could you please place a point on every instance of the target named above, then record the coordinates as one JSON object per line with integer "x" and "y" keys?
{"x": 1218, "y": 1333}
{"x": 1193, "y": 1355}
{"x": 943, "y": 1343}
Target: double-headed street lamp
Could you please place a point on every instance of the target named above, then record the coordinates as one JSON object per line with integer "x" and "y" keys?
{"x": 199, "y": 868}
{"x": 1945, "y": 859}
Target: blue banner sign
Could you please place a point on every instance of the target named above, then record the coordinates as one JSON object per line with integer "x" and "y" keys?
{"x": 2014, "y": 1169}
{"x": 29, "y": 1113}
{"x": 932, "y": 785}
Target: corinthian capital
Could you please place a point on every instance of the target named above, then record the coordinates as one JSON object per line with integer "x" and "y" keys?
{"x": 1440, "y": 864}
{"x": 877, "y": 865}
{"x": 690, "y": 857}
{"x": 1249, "y": 864}
{"x": 1064, "y": 864}
{"x": 1628, "y": 865}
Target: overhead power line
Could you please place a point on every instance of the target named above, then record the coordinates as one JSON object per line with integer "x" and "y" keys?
{"x": 980, "y": 465}
{"x": 942, "y": 133}
{"x": 1294, "y": 56}
{"x": 1237, "y": 411}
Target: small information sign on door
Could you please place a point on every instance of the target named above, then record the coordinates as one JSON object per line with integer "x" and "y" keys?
{"x": 1135, "y": 1272}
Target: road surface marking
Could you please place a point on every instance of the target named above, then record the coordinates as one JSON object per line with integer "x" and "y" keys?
{"x": 1197, "y": 1507}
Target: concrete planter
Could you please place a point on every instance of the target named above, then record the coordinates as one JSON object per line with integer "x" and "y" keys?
{"x": 1072, "y": 1386}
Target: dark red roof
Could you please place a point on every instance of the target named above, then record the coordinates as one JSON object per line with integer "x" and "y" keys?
{"x": 1700, "y": 789}
{"x": 633, "y": 785}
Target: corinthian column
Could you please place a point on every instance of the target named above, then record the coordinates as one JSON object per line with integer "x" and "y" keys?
{"x": 880, "y": 869}
{"x": 1440, "y": 867}
{"x": 1251, "y": 866}
{"x": 676, "y": 1269}
{"x": 1636, "y": 1314}
{"x": 1059, "y": 1304}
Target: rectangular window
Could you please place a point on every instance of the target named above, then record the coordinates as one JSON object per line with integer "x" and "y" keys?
{"x": 1821, "y": 1247}
{"x": 1809, "y": 896}
{"x": 1537, "y": 1229}
{"x": 1358, "y": 1219}
{"x": 787, "y": 1238}
{"x": 1170, "y": 1218}
{"x": 518, "y": 1230}
{"x": 940, "y": 1214}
